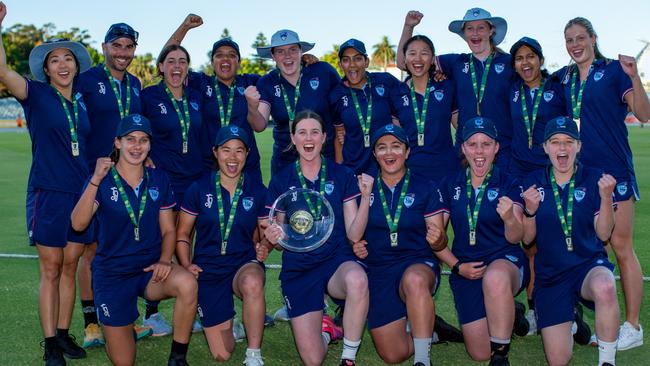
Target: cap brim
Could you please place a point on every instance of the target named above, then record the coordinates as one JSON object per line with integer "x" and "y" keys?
{"x": 265, "y": 52}
{"x": 500, "y": 28}
{"x": 38, "y": 54}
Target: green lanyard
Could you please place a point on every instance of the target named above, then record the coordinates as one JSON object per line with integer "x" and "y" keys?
{"x": 74, "y": 145}
{"x": 225, "y": 117}
{"x": 322, "y": 177}
{"x": 479, "y": 92}
{"x": 185, "y": 122}
{"x": 472, "y": 216}
{"x": 529, "y": 122}
{"x": 225, "y": 227}
{"x": 123, "y": 112}
{"x": 567, "y": 220}
{"x": 576, "y": 105}
{"x": 291, "y": 111}
{"x": 127, "y": 203}
{"x": 420, "y": 119}
{"x": 393, "y": 222}
{"x": 365, "y": 123}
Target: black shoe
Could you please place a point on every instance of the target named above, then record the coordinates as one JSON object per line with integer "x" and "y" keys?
{"x": 447, "y": 332}
{"x": 418, "y": 364}
{"x": 177, "y": 360}
{"x": 346, "y": 362}
{"x": 52, "y": 356}
{"x": 521, "y": 326}
{"x": 499, "y": 360}
{"x": 583, "y": 333}
{"x": 68, "y": 345}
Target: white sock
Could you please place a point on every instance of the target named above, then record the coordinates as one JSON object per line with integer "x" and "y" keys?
{"x": 350, "y": 349}
{"x": 606, "y": 352}
{"x": 326, "y": 338}
{"x": 422, "y": 348}
{"x": 253, "y": 352}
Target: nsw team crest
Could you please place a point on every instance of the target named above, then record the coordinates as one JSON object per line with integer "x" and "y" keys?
{"x": 598, "y": 75}
{"x": 380, "y": 90}
{"x": 194, "y": 105}
{"x": 492, "y": 194}
{"x": 548, "y": 95}
{"x": 247, "y": 202}
{"x": 579, "y": 194}
{"x": 499, "y": 68}
{"x": 241, "y": 90}
{"x": 153, "y": 193}
{"x": 136, "y": 92}
{"x": 621, "y": 188}
{"x": 314, "y": 83}
{"x": 329, "y": 187}
{"x": 439, "y": 94}
{"x": 409, "y": 199}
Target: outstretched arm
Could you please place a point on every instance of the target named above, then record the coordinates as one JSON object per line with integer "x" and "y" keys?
{"x": 190, "y": 21}
{"x": 412, "y": 19}
{"x": 15, "y": 83}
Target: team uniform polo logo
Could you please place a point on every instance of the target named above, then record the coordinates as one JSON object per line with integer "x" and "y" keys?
{"x": 541, "y": 192}
{"x": 163, "y": 109}
{"x": 598, "y": 75}
{"x": 409, "y": 199}
{"x": 579, "y": 194}
{"x": 516, "y": 96}
{"x": 241, "y": 90}
{"x": 153, "y": 193}
{"x": 208, "y": 200}
{"x": 278, "y": 91}
{"x": 621, "y": 188}
{"x": 499, "y": 68}
{"x": 466, "y": 67}
{"x": 136, "y": 92}
{"x": 345, "y": 100}
{"x": 439, "y": 94}
{"x": 456, "y": 193}
{"x": 102, "y": 88}
{"x": 114, "y": 193}
{"x": 195, "y": 105}
{"x": 208, "y": 91}
{"x": 492, "y": 194}
{"x": 314, "y": 83}
{"x": 247, "y": 202}
{"x": 372, "y": 199}
{"x": 329, "y": 187}
{"x": 405, "y": 100}
{"x": 548, "y": 95}
{"x": 380, "y": 90}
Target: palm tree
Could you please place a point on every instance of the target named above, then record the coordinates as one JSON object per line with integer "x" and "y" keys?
{"x": 384, "y": 53}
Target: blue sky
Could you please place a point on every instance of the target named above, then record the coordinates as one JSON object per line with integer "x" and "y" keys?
{"x": 334, "y": 21}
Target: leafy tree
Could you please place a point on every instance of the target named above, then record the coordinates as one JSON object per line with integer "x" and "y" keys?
{"x": 144, "y": 68}
{"x": 332, "y": 58}
{"x": 260, "y": 65}
{"x": 384, "y": 53}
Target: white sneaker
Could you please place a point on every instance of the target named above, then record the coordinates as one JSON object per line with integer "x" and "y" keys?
{"x": 282, "y": 314}
{"x": 238, "y": 330}
{"x": 629, "y": 336}
{"x": 532, "y": 322}
{"x": 253, "y": 359}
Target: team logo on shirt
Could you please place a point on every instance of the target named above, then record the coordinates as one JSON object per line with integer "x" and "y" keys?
{"x": 466, "y": 67}
{"x": 432, "y": 88}
{"x": 278, "y": 91}
{"x": 512, "y": 258}
{"x": 579, "y": 194}
{"x": 548, "y": 95}
{"x": 194, "y": 105}
{"x": 621, "y": 188}
{"x": 440, "y": 196}
{"x": 163, "y": 109}
{"x": 598, "y": 75}
{"x": 409, "y": 199}
{"x": 102, "y": 87}
{"x": 136, "y": 92}
{"x": 541, "y": 193}
{"x": 492, "y": 194}
{"x": 247, "y": 202}
{"x": 153, "y": 193}
{"x": 456, "y": 193}
{"x": 345, "y": 100}
{"x": 314, "y": 82}
{"x": 380, "y": 90}
{"x": 241, "y": 90}
{"x": 566, "y": 78}
{"x": 499, "y": 68}
{"x": 208, "y": 200}
{"x": 372, "y": 199}
{"x": 516, "y": 96}
{"x": 208, "y": 91}
{"x": 114, "y": 193}
{"x": 439, "y": 94}
{"x": 329, "y": 187}
{"x": 405, "y": 100}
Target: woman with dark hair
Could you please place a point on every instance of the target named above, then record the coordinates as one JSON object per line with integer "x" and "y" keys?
{"x": 425, "y": 108}
{"x": 599, "y": 92}
{"x": 482, "y": 77}
{"x": 361, "y": 104}
{"x": 58, "y": 126}
{"x": 330, "y": 269}
{"x": 136, "y": 243}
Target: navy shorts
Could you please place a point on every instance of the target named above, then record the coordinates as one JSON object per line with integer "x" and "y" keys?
{"x": 305, "y": 293}
{"x": 216, "y": 303}
{"x": 468, "y": 294}
{"x": 554, "y": 302}
{"x": 48, "y": 219}
{"x": 625, "y": 189}
{"x": 386, "y": 305}
{"x": 116, "y": 296}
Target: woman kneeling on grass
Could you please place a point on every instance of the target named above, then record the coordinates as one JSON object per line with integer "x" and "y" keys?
{"x": 136, "y": 243}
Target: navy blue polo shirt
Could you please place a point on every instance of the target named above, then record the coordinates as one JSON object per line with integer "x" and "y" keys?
{"x": 239, "y": 115}
{"x": 602, "y": 129}
{"x": 495, "y": 103}
{"x": 552, "y": 258}
{"x": 103, "y": 111}
{"x": 317, "y": 82}
{"x": 490, "y": 229}
{"x": 382, "y": 85}
{"x": 53, "y": 165}
{"x": 118, "y": 251}
{"x": 201, "y": 201}
{"x": 551, "y": 105}
{"x": 437, "y": 158}
{"x": 341, "y": 186}
{"x": 422, "y": 200}
{"x": 167, "y": 139}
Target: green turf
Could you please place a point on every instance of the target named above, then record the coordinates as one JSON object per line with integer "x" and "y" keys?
{"x": 21, "y": 332}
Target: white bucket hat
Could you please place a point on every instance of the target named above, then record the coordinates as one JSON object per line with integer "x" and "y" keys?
{"x": 500, "y": 25}
{"x": 39, "y": 54}
{"x": 280, "y": 38}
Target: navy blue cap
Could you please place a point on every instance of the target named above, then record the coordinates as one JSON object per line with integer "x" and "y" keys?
{"x": 563, "y": 125}
{"x": 479, "y": 125}
{"x": 355, "y": 44}
{"x": 390, "y": 129}
{"x": 121, "y": 30}
{"x": 530, "y": 43}
{"x": 225, "y": 42}
{"x": 227, "y": 133}
{"x": 131, "y": 123}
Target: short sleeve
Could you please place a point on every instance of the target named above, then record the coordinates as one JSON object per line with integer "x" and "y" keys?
{"x": 167, "y": 193}
{"x": 351, "y": 189}
{"x": 191, "y": 204}
{"x": 515, "y": 191}
{"x": 263, "y": 87}
{"x": 435, "y": 202}
{"x": 623, "y": 82}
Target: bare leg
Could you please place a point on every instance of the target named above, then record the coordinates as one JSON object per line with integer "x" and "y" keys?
{"x": 248, "y": 285}
{"x": 220, "y": 340}
{"x": 120, "y": 344}
{"x": 350, "y": 282}
{"x": 68, "y": 283}
{"x": 500, "y": 283}
{"x": 558, "y": 344}
{"x": 307, "y": 335}
{"x": 50, "y": 264}
{"x": 392, "y": 342}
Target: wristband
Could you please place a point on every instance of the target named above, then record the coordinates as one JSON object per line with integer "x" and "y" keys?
{"x": 528, "y": 214}
{"x": 93, "y": 184}
{"x": 183, "y": 241}
{"x": 456, "y": 268}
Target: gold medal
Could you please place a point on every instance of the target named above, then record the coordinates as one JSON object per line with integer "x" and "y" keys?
{"x": 366, "y": 140}
{"x": 420, "y": 139}
{"x": 393, "y": 239}
{"x": 224, "y": 244}
{"x": 301, "y": 221}
{"x": 569, "y": 244}
{"x": 136, "y": 233}
{"x": 75, "y": 148}
{"x": 184, "y": 147}
{"x": 472, "y": 238}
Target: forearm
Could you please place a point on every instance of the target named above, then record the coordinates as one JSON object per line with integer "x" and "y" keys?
{"x": 357, "y": 227}
{"x": 256, "y": 119}
{"x": 447, "y": 257}
{"x": 641, "y": 105}
{"x": 514, "y": 230}
{"x": 338, "y": 151}
{"x": 530, "y": 229}
{"x": 605, "y": 220}
{"x": 407, "y": 32}
{"x": 178, "y": 35}
{"x": 15, "y": 83}
{"x": 84, "y": 209}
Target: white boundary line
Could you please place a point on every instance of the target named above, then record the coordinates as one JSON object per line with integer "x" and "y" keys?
{"x": 271, "y": 266}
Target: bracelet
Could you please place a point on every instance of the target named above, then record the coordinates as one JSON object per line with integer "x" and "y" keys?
{"x": 528, "y": 214}
{"x": 93, "y": 184}
{"x": 456, "y": 268}
{"x": 183, "y": 241}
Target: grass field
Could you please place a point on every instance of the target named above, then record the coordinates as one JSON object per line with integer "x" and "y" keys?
{"x": 21, "y": 333}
